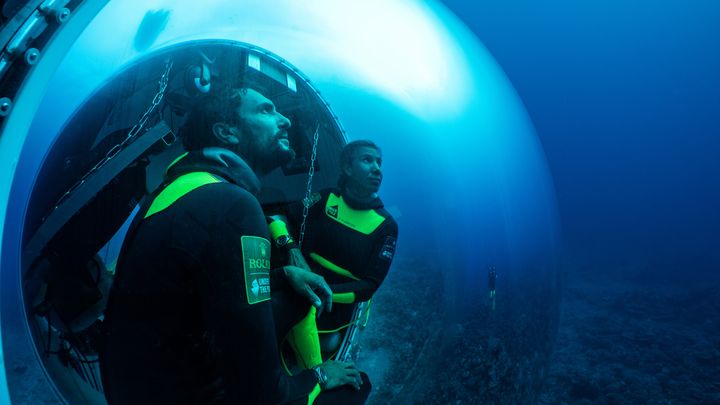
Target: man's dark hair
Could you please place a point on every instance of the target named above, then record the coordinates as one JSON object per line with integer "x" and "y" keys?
{"x": 217, "y": 106}
{"x": 348, "y": 154}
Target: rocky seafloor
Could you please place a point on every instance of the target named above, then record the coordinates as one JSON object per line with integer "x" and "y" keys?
{"x": 637, "y": 336}
{"x": 622, "y": 338}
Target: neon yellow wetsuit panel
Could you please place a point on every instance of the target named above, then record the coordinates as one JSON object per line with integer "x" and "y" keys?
{"x": 178, "y": 188}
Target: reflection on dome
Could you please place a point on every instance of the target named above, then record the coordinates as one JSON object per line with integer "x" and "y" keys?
{"x": 469, "y": 309}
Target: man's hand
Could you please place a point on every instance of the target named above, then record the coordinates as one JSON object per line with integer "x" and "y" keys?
{"x": 341, "y": 373}
{"x": 295, "y": 258}
{"x": 311, "y": 286}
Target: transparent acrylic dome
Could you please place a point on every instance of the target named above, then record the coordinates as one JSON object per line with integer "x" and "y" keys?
{"x": 465, "y": 178}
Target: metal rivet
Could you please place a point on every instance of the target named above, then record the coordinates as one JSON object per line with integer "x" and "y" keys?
{"x": 5, "y": 106}
{"x": 62, "y": 15}
{"x": 31, "y": 56}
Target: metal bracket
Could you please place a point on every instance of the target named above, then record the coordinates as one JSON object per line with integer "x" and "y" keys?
{"x": 90, "y": 187}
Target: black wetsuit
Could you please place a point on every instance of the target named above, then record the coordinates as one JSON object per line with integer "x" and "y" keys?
{"x": 189, "y": 318}
{"x": 357, "y": 236}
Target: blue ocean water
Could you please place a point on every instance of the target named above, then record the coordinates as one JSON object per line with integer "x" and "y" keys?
{"x": 625, "y": 99}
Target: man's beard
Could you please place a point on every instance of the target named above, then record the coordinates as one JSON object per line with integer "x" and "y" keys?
{"x": 277, "y": 157}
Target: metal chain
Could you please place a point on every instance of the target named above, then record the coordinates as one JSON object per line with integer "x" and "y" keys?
{"x": 162, "y": 85}
{"x": 311, "y": 172}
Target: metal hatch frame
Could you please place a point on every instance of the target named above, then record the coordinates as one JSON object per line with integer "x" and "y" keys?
{"x": 22, "y": 86}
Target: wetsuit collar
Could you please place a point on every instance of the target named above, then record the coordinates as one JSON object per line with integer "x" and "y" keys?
{"x": 218, "y": 161}
{"x": 371, "y": 202}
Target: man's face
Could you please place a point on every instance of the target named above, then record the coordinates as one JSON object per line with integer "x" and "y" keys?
{"x": 264, "y": 132}
{"x": 364, "y": 174}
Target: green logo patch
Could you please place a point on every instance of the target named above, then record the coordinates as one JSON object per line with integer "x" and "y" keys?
{"x": 256, "y": 264}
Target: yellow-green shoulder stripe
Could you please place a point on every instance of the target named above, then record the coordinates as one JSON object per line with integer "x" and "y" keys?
{"x": 363, "y": 221}
{"x": 178, "y": 188}
{"x": 177, "y": 159}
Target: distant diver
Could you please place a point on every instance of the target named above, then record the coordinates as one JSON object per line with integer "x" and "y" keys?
{"x": 191, "y": 317}
{"x": 492, "y": 277}
{"x": 350, "y": 240}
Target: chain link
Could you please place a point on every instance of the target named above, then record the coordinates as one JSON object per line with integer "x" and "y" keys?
{"x": 162, "y": 85}
{"x": 311, "y": 172}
